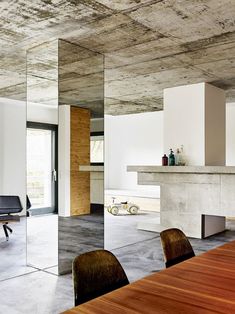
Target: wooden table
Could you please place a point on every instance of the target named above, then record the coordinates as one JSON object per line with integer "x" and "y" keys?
{"x": 203, "y": 284}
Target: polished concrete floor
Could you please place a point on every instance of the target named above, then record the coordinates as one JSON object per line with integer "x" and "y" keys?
{"x": 30, "y": 290}
{"x": 42, "y": 241}
{"x": 13, "y": 252}
{"x": 121, "y": 230}
{"x": 77, "y": 235}
{"x": 34, "y": 243}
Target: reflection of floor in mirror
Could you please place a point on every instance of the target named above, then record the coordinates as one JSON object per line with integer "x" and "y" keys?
{"x": 46, "y": 293}
{"x": 42, "y": 241}
{"x": 13, "y": 252}
{"x": 77, "y": 235}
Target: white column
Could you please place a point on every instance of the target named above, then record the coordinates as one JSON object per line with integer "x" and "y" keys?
{"x": 230, "y": 134}
{"x": 64, "y": 161}
{"x": 194, "y": 116}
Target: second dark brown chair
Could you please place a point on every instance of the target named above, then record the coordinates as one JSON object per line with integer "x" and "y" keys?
{"x": 176, "y": 247}
{"x": 96, "y": 273}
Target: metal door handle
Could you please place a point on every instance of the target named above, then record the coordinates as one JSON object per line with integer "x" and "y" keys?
{"x": 54, "y": 175}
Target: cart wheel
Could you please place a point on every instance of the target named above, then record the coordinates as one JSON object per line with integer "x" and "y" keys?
{"x": 133, "y": 210}
{"x": 114, "y": 210}
{"x": 108, "y": 209}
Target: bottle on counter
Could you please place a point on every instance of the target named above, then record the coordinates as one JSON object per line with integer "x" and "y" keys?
{"x": 171, "y": 158}
{"x": 177, "y": 157}
{"x": 165, "y": 160}
{"x": 182, "y": 161}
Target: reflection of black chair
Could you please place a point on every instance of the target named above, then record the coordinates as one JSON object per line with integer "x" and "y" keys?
{"x": 9, "y": 205}
{"x": 28, "y": 206}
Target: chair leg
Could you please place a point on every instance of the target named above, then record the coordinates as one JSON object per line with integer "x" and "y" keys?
{"x": 5, "y": 231}
{"x": 8, "y": 228}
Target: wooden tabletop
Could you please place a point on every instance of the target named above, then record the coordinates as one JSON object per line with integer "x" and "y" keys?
{"x": 203, "y": 284}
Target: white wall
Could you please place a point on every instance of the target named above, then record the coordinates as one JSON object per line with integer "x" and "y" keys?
{"x": 135, "y": 139}
{"x": 230, "y": 134}
{"x": 194, "y": 116}
{"x": 13, "y": 148}
{"x": 42, "y": 113}
{"x": 13, "y": 142}
{"x": 64, "y": 161}
{"x": 215, "y": 126}
{"x": 184, "y": 121}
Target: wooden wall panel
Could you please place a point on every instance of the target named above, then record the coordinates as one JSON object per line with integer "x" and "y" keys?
{"x": 79, "y": 155}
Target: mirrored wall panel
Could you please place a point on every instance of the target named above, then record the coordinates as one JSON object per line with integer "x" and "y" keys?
{"x": 65, "y": 166}
{"x": 42, "y": 156}
{"x": 12, "y": 166}
{"x": 81, "y": 164}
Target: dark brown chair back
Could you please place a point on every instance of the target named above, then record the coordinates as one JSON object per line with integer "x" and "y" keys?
{"x": 176, "y": 247}
{"x": 96, "y": 273}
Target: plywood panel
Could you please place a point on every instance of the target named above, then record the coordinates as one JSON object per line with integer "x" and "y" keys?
{"x": 79, "y": 155}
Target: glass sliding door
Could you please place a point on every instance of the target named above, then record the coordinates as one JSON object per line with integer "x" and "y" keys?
{"x": 42, "y": 168}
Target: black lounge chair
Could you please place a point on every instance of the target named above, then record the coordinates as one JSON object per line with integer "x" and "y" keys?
{"x": 9, "y": 205}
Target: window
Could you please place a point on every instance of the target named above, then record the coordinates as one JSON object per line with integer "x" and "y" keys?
{"x": 41, "y": 167}
{"x": 97, "y": 148}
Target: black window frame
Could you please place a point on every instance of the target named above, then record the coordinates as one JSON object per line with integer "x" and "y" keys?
{"x": 52, "y": 127}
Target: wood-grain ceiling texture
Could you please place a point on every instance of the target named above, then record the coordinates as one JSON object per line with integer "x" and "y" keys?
{"x": 148, "y": 45}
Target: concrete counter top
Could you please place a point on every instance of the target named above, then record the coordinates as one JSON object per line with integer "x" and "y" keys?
{"x": 183, "y": 169}
{"x": 96, "y": 182}
{"x": 91, "y": 168}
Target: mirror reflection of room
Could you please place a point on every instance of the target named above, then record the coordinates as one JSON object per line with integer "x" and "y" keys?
{"x": 12, "y": 185}
{"x": 42, "y": 156}
{"x": 13, "y": 166}
{"x": 64, "y": 154}
{"x": 81, "y": 168}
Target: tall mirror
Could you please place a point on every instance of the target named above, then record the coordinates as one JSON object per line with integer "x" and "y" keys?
{"x": 12, "y": 167}
{"x": 81, "y": 164}
{"x": 42, "y": 156}
{"x": 65, "y": 166}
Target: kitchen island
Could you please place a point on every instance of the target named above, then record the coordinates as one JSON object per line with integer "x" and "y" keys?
{"x": 195, "y": 199}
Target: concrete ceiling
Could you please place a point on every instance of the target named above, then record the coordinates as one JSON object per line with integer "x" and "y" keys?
{"x": 148, "y": 45}
{"x": 60, "y": 72}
